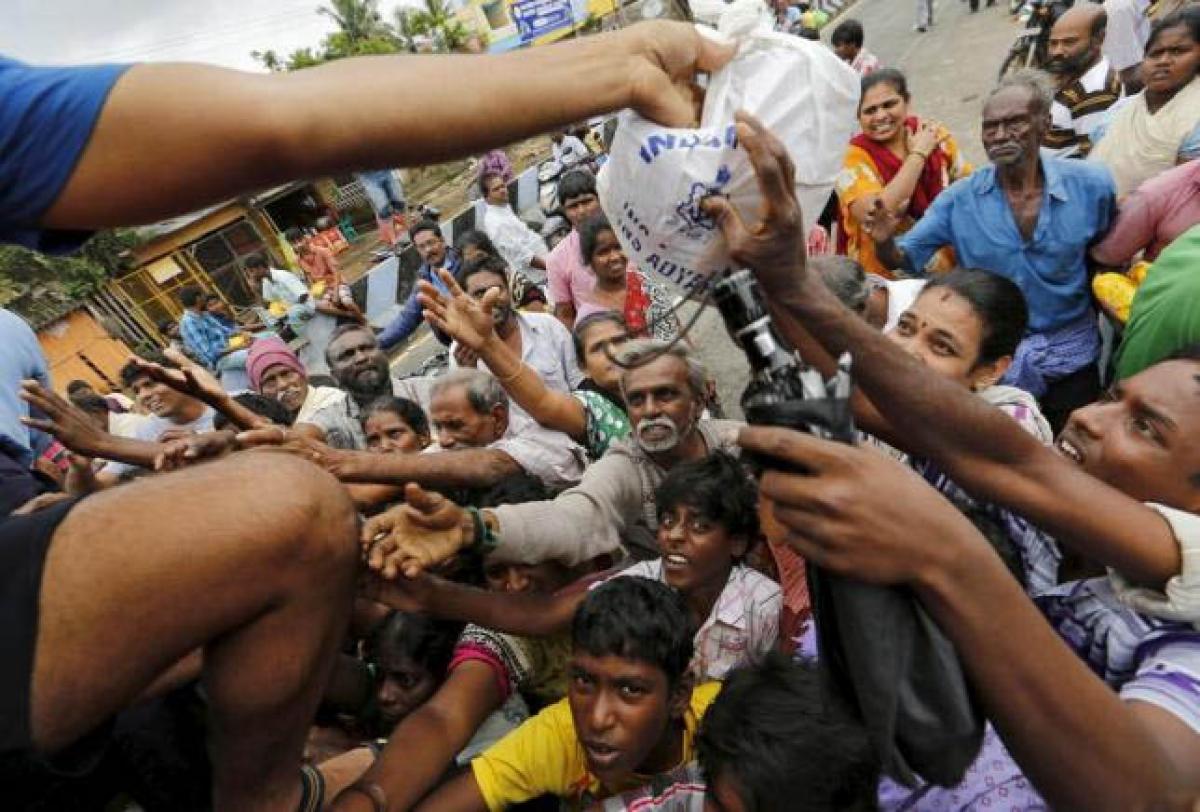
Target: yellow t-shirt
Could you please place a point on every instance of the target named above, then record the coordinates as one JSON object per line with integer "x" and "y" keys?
{"x": 543, "y": 756}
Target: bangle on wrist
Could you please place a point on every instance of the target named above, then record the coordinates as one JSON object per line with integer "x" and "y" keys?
{"x": 924, "y": 156}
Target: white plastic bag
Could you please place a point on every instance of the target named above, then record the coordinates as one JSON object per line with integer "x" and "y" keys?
{"x": 655, "y": 178}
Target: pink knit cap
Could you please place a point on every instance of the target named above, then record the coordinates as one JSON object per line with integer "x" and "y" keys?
{"x": 270, "y": 352}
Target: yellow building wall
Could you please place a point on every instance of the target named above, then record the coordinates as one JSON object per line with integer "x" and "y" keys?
{"x": 74, "y": 338}
{"x": 507, "y": 37}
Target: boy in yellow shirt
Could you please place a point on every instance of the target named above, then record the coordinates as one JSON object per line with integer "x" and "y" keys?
{"x": 631, "y": 711}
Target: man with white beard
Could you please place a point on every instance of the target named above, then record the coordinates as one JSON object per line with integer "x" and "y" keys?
{"x": 612, "y": 507}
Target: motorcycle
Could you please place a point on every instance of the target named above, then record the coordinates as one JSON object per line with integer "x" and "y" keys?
{"x": 1031, "y": 47}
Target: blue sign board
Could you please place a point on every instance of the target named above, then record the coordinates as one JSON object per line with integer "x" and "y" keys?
{"x": 537, "y": 18}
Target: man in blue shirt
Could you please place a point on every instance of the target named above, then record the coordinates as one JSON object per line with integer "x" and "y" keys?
{"x": 1031, "y": 219}
{"x": 205, "y": 338}
{"x": 435, "y": 254}
{"x": 21, "y": 359}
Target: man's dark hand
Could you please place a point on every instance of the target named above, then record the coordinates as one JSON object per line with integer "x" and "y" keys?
{"x": 194, "y": 448}
{"x": 881, "y": 223}
{"x": 774, "y": 246}
{"x": 70, "y": 425}
{"x": 190, "y": 378}
{"x": 416, "y": 536}
{"x": 857, "y": 512}
{"x": 292, "y": 441}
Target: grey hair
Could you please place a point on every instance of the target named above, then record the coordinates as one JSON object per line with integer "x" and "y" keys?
{"x": 484, "y": 392}
{"x": 845, "y": 278}
{"x": 634, "y": 353}
{"x": 1037, "y": 82}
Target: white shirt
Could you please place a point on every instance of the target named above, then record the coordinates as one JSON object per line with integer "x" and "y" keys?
{"x": 901, "y": 294}
{"x": 742, "y": 626}
{"x": 547, "y": 347}
{"x": 152, "y": 428}
{"x": 1126, "y": 33}
{"x": 551, "y": 456}
{"x": 329, "y": 409}
{"x": 283, "y": 286}
{"x": 516, "y": 242}
{"x": 570, "y": 152}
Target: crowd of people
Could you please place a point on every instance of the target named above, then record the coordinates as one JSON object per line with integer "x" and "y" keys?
{"x": 554, "y": 575}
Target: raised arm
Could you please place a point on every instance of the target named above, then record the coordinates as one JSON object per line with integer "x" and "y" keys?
{"x": 981, "y": 448}
{"x": 195, "y": 381}
{"x": 528, "y": 615}
{"x": 220, "y": 133}
{"x": 457, "y": 468}
{"x": 1073, "y": 736}
{"x": 470, "y": 323}
{"x": 79, "y": 434}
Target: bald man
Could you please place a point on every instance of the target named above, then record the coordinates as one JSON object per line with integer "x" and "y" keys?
{"x": 1087, "y": 85}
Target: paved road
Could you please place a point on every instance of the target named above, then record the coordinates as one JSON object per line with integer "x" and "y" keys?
{"x": 950, "y": 69}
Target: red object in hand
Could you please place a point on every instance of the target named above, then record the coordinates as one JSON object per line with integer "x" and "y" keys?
{"x": 637, "y": 304}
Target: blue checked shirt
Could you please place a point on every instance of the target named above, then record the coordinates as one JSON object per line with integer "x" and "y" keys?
{"x": 204, "y": 336}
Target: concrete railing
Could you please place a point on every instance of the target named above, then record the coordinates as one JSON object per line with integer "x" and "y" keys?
{"x": 382, "y": 290}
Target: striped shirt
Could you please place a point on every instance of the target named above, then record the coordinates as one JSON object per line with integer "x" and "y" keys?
{"x": 1079, "y": 108}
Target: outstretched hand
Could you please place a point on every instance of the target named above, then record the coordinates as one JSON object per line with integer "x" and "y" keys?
{"x": 881, "y": 223}
{"x": 458, "y": 315}
{"x": 402, "y": 594}
{"x": 409, "y": 539}
{"x": 774, "y": 246}
{"x": 190, "y": 378}
{"x": 854, "y": 511}
{"x": 63, "y": 420}
{"x": 194, "y": 448}
{"x": 295, "y": 442}
{"x": 666, "y": 58}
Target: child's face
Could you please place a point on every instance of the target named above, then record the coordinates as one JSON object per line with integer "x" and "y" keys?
{"x": 546, "y": 577}
{"x": 696, "y": 551}
{"x": 388, "y": 434}
{"x": 622, "y": 709}
{"x": 405, "y": 686}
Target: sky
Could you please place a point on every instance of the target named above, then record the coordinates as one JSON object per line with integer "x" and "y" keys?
{"x": 220, "y": 32}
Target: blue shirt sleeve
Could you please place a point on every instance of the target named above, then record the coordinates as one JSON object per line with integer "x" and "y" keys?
{"x": 46, "y": 118}
{"x": 409, "y": 319}
{"x": 928, "y": 235}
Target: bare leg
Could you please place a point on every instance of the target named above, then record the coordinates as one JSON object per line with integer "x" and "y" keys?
{"x": 252, "y": 559}
{"x": 387, "y": 229}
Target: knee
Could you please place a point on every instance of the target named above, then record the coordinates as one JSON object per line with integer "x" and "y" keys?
{"x": 311, "y": 516}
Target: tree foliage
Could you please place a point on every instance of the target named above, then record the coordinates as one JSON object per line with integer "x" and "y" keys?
{"x": 362, "y": 30}
{"x": 41, "y": 287}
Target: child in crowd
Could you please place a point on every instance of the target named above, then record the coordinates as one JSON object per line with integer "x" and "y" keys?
{"x": 707, "y": 523}
{"x": 770, "y": 742}
{"x": 490, "y": 682}
{"x": 631, "y": 711}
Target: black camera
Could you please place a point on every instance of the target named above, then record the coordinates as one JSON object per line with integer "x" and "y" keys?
{"x": 782, "y": 391}
{"x": 879, "y": 652}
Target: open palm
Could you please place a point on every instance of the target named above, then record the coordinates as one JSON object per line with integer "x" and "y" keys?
{"x": 463, "y": 318}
